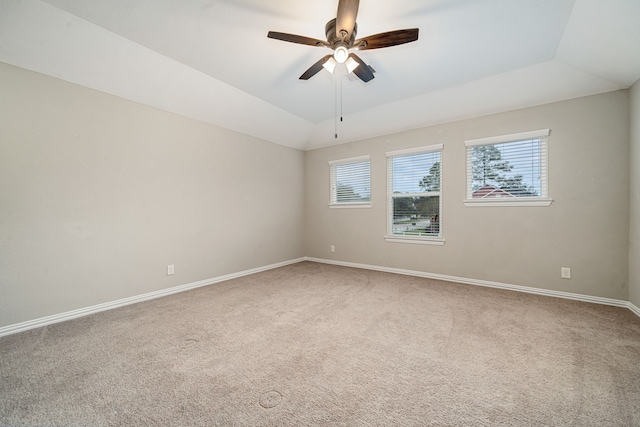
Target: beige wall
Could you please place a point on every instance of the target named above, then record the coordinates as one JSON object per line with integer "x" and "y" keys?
{"x": 634, "y": 234}
{"x": 586, "y": 228}
{"x": 99, "y": 194}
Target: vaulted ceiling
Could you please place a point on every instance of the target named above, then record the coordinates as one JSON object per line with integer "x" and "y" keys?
{"x": 211, "y": 60}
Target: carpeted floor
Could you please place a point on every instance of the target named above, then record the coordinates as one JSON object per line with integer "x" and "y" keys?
{"x": 313, "y": 344}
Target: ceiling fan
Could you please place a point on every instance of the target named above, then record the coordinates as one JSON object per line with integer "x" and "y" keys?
{"x": 341, "y": 37}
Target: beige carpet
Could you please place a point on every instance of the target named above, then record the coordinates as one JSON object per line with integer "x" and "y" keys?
{"x": 313, "y": 344}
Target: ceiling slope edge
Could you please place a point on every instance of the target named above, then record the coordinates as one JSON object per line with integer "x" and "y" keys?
{"x": 539, "y": 84}
{"x": 41, "y": 38}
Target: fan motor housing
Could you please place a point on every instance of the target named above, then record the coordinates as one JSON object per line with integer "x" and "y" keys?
{"x": 330, "y": 31}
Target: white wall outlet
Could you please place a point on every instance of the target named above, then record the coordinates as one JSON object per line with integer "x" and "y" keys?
{"x": 565, "y": 273}
{"x": 170, "y": 270}
{"x": 333, "y": 248}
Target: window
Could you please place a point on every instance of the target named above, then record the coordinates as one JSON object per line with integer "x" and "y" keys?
{"x": 509, "y": 170}
{"x": 413, "y": 191}
{"x": 350, "y": 183}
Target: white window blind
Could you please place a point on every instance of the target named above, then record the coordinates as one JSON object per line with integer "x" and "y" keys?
{"x": 350, "y": 181}
{"x": 414, "y": 190}
{"x": 508, "y": 170}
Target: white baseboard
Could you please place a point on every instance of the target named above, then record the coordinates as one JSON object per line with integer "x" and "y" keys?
{"x": 526, "y": 289}
{"x": 635, "y": 309}
{"x": 56, "y": 318}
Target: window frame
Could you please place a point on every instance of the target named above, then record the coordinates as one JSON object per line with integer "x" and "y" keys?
{"x": 333, "y": 196}
{"x": 420, "y": 240}
{"x": 542, "y": 200}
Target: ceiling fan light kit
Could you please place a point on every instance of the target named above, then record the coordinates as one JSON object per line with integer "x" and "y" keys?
{"x": 331, "y": 64}
{"x": 340, "y": 54}
{"x": 341, "y": 37}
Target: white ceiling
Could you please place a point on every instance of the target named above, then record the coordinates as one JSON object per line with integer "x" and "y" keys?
{"x": 211, "y": 60}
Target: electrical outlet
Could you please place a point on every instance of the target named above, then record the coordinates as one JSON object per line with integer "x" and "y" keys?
{"x": 333, "y": 248}
{"x": 565, "y": 273}
{"x": 170, "y": 270}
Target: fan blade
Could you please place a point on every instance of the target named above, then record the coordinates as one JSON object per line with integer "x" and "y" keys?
{"x": 391, "y": 38}
{"x": 315, "y": 68}
{"x": 293, "y": 38}
{"x": 363, "y": 71}
{"x": 346, "y": 17}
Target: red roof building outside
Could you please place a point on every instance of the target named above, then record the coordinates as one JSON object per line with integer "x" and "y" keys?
{"x": 490, "y": 192}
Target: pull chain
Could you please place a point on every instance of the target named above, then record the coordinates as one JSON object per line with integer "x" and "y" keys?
{"x": 337, "y": 80}
{"x": 335, "y": 104}
{"x": 340, "y": 98}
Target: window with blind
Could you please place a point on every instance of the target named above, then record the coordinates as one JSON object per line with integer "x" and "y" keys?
{"x": 350, "y": 182}
{"x": 508, "y": 170}
{"x": 414, "y": 195}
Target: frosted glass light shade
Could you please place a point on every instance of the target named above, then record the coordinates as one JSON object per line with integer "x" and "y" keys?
{"x": 341, "y": 54}
{"x": 351, "y": 64}
{"x": 330, "y": 65}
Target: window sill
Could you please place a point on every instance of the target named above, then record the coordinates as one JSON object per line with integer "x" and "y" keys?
{"x": 349, "y": 205}
{"x": 506, "y": 202}
{"x": 414, "y": 240}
